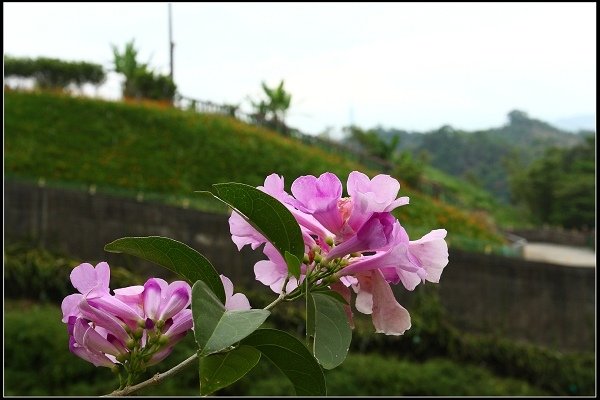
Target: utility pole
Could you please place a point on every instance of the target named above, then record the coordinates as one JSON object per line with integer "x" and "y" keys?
{"x": 171, "y": 45}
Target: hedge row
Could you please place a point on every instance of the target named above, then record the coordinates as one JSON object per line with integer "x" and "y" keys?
{"x": 54, "y": 73}
{"x": 37, "y": 362}
{"x": 41, "y": 275}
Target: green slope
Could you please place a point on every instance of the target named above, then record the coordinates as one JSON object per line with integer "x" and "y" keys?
{"x": 135, "y": 148}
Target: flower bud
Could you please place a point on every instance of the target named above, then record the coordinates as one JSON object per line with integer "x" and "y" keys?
{"x": 318, "y": 258}
{"x": 138, "y": 333}
{"x": 163, "y": 339}
{"x": 131, "y": 343}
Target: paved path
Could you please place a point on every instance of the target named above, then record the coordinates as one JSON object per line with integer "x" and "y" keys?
{"x": 559, "y": 254}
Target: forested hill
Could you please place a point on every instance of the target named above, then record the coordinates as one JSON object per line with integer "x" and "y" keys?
{"x": 486, "y": 157}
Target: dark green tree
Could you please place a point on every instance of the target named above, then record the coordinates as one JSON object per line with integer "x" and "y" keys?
{"x": 371, "y": 142}
{"x": 559, "y": 188}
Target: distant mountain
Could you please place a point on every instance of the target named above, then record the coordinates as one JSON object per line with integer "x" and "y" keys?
{"x": 577, "y": 123}
{"x": 485, "y": 156}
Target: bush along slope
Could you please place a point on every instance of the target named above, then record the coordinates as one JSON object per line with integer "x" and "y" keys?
{"x": 152, "y": 149}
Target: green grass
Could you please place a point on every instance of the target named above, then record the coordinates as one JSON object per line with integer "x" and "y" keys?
{"x": 167, "y": 154}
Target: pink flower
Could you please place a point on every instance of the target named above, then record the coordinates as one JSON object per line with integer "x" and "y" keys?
{"x": 90, "y": 282}
{"x": 396, "y": 256}
{"x": 105, "y": 329}
{"x": 273, "y": 272}
{"x": 369, "y": 196}
{"x": 374, "y": 234}
{"x": 237, "y": 301}
{"x": 431, "y": 253}
{"x": 354, "y": 239}
{"x": 110, "y": 322}
{"x": 86, "y": 336}
{"x": 96, "y": 358}
{"x": 242, "y": 233}
{"x": 319, "y": 197}
{"x": 180, "y": 323}
{"x": 274, "y": 186}
{"x": 163, "y": 300}
{"x": 409, "y": 262}
{"x": 374, "y": 296}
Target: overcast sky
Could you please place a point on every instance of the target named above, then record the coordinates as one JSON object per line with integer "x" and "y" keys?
{"x": 413, "y": 66}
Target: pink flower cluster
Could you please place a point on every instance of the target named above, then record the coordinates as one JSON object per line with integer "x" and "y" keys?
{"x": 353, "y": 239}
{"x": 137, "y": 326}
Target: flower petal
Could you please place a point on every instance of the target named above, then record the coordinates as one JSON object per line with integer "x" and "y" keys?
{"x": 238, "y": 301}
{"x": 86, "y": 336}
{"x": 389, "y": 317}
{"x": 91, "y": 281}
{"x": 181, "y": 322}
{"x": 266, "y": 272}
{"x": 104, "y": 319}
{"x": 70, "y": 306}
{"x": 242, "y": 233}
{"x": 130, "y": 294}
{"x": 364, "y": 294}
{"x": 432, "y": 252}
{"x": 227, "y": 285}
{"x": 152, "y": 298}
{"x": 179, "y": 298}
{"x": 99, "y": 360}
{"x": 116, "y": 307}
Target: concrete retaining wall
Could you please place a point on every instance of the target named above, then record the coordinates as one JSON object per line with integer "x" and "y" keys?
{"x": 542, "y": 303}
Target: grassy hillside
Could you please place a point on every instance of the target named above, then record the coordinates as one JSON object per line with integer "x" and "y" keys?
{"x": 133, "y": 148}
{"x": 466, "y": 195}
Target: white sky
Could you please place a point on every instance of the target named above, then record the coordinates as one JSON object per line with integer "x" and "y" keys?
{"x": 413, "y": 66}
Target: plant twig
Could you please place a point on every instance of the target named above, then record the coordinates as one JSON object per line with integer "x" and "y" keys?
{"x": 281, "y": 295}
{"x": 158, "y": 378}
{"x": 155, "y": 380}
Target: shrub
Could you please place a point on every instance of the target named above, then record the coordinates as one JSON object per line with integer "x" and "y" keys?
{"x": 38, "y": 363}
{"x": 51, "y": 73}
{"x": 41, "y": 275}
{"x": 148, "y": 85}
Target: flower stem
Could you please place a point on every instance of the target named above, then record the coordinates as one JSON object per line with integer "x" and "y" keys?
{"x": 281, "y": 295}
{"x": 156, "y": 379}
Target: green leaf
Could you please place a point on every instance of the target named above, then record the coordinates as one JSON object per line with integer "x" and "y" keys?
{"x": 331, "y": 293}
{"x": 216, "y": 329}
{"x": 328, "y": 325}
{"x": 173, "y": 255}
{"x": 293, "y": 264}
{"x": 292, "y": 358}
{"x": 221, "y": 370}
{"x": 266, "y": 214}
